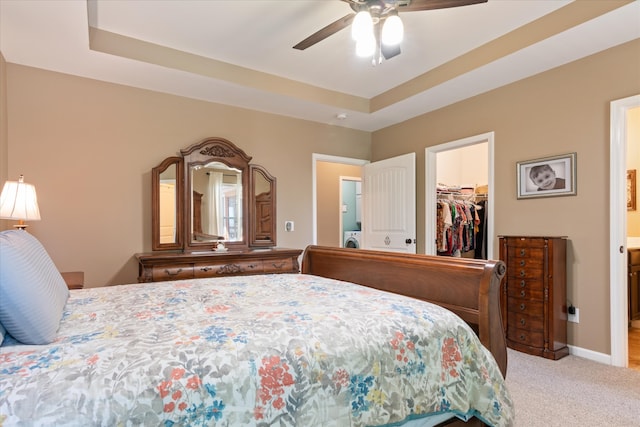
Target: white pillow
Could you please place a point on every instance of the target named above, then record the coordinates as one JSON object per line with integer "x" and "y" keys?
{"x": 32, "y": 291}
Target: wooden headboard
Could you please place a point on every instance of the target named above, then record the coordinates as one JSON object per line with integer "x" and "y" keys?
{"x": 470, "y": 288}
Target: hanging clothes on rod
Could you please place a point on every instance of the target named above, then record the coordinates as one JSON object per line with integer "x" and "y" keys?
{"x": 459, "y": 221}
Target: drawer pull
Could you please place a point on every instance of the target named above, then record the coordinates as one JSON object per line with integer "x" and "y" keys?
{"x": 522, "y": 293}
{"x": 522, "y": 263}
{"x": 522, "y": 283}
{"x": 522, "y": 306}
{"x": 522, "y": 273}
{"x": 278, "y": 266}
{"x": 522, "y": 337}
{"x": 169, "y": 273}
{"x": 522, "y": 251}
{"x": 522, "y": 322}
{"x": 205, "y": 269}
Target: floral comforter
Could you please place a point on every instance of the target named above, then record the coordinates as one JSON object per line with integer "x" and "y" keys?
{"x": 286, "y": 350}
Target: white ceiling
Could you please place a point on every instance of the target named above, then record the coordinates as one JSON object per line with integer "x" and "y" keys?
{"x": 232, "y": 38}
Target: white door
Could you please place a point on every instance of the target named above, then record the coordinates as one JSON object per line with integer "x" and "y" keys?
{"x": 389, "y": 204}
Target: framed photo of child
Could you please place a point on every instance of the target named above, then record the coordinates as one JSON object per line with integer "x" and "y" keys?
{"x": 547, "y": 177}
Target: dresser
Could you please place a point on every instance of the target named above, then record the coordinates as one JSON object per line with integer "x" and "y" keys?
{"x": 534, "y": 294}
{"x": 163, "y": 266}
{"x": 633, "y": 270}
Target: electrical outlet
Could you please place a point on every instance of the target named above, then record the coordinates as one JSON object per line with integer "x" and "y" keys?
{"x": 288, "y": 225}
{"x": 575, "y": 318}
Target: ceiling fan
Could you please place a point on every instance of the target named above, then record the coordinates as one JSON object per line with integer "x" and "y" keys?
{"x": 380, "y": 12}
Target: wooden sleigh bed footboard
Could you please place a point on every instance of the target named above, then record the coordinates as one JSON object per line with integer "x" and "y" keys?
{"x": 470, "y": 288}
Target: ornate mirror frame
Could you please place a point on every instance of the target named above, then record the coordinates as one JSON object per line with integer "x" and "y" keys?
{"x": 222, "y": 151}
{"x": 262, "y": 211}
{"x": 156, "y": 218}
{"x": 258, "y": 197}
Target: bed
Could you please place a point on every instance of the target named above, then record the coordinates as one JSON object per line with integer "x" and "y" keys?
{"x": 310, "y": 349}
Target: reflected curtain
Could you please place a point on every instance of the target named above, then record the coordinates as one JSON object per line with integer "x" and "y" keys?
{"x": 215, "y": 206}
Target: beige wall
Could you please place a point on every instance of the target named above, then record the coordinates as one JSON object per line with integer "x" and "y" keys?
{"x": 560, "y": 111}
{"x": 633, "y": 162}
{"x": 89, "y": 147}
{"x": 328, "y": 191}
{"x": 4, "y": 145}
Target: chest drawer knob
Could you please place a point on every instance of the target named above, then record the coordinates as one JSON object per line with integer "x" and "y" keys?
{"x": 522, "y": 263}
{"x": 522, "y": 307}
{"x": 522, "y": 322}
{"x": 522, "y": 273}
{"x": 522, "y": 284}
{"x": 522, "y": 337}
{"x": 522, "y": 252}
{"x": 205, "y": 269}
{"x": 522, "y": 293}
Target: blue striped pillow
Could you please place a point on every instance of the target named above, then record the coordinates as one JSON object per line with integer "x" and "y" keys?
{"x": 32, "y": 291}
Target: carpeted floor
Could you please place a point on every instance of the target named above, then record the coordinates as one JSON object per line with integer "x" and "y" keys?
{"x": 572, "y": 392}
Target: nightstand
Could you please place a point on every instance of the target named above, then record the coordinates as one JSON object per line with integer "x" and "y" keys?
{"x": 74, "y": 279}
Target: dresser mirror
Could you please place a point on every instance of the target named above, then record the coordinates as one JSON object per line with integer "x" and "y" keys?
{"x": 218, "y": 197}
{"x": 166, "y": 204}
{"x": 262, "y": 207}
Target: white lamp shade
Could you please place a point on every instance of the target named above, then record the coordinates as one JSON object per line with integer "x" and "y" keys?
{"x": 362, "y": 26}
{"x": 19, "y": 201}
{"x": 392, "y": 31}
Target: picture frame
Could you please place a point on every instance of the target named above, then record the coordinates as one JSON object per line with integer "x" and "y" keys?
{"x": 547, "y": 177}
{"x": 631, "y": 190}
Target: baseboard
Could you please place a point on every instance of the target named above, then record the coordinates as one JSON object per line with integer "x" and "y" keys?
{"x": 590, "y": 354}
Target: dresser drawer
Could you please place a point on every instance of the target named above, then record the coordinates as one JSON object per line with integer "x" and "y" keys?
{"x": 527, "y": 243}
{"x": 522, "y": 336}
{"x": 161, "y": 273}
{"x": 233, "y": 268}
{"x": 634, "y": 256}
{"x": 518, "y": 283}
{"x": 524, "y": 321}
{"x": 280, "y": 265}
{"x": 517, "y": 272}
{"x": 525, "y": 306}
{"x": 525, "y": 288}
{"x": 533, "y": 258}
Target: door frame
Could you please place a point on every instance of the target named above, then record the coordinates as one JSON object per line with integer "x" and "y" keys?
{"x": 431, "y": 184}
{"x": 618, "y": 229}
{"x": 316, "y": 157}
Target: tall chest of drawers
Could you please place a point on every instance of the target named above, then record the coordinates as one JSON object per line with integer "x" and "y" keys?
{"x": 534, "y": 294}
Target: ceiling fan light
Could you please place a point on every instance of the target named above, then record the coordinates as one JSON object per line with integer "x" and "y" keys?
{"x": 366, "y": 46}
{"x": 362, "y": 25}
{"x": 392, "y": 31}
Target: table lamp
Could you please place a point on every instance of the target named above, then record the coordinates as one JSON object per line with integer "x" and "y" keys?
{"x": 19, "y": 201}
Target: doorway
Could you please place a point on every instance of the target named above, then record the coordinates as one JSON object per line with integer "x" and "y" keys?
{"x": 390, "y": 184}
{"x": 618, "y": 228}
{"x": 326, "y": 171}
{"x": 431, "y": 184}
{"x": 350, "y": 211}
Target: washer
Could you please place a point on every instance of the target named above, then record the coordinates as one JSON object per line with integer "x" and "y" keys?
{"x": 352, "y": 239}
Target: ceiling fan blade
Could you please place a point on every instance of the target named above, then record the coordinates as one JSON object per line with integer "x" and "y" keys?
{"x": 416, "y": 5}
{"x": 325, "y": 32}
